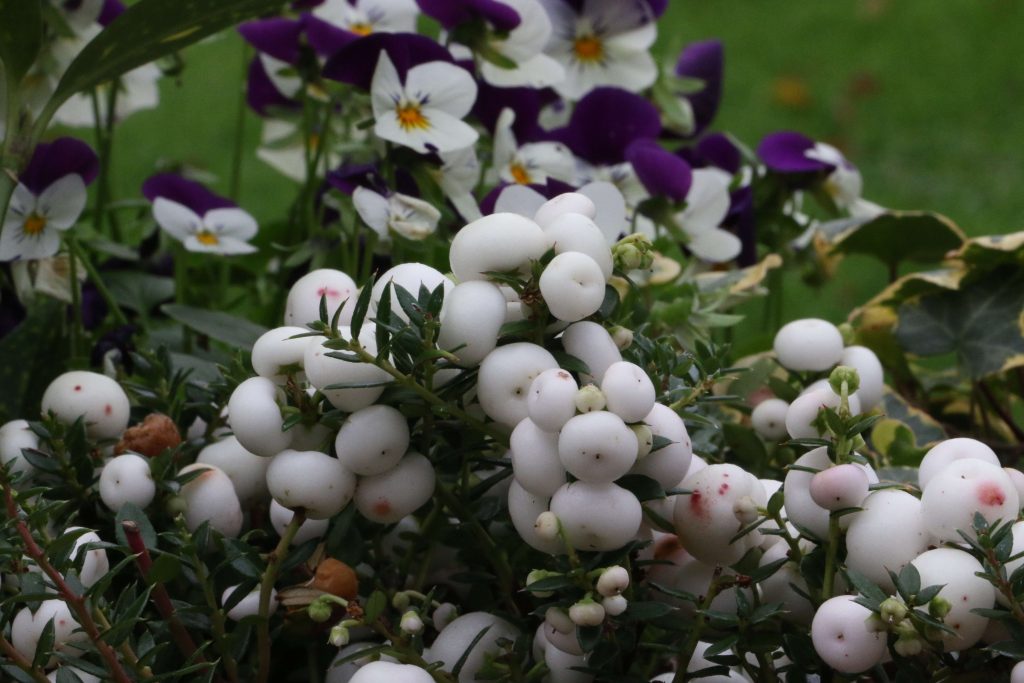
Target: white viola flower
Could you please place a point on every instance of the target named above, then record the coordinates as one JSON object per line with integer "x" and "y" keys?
{"x": 844, "y": 184}
{"x": 410, "y": 217}
{"x": 225, "y": 230}
{"x": 529, "y": 164}
{"x": 606, "y": 43}
{"x": 458, "y": 177}
{"x": 364, "y": 17}
{"x": 707, "y": 204}
{"x": 425, "y": 112}
{"x": 32, "y": 226}
{"x": 524, "y": 47}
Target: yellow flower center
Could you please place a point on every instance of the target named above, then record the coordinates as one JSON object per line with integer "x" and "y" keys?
{"x": 588, "y": 48}
{"x": 208, "y": 238}
{"x": 521, "y": 175}
{"x": 34, "y": 224}
{"x": 361, "y": 29}
{"x": 410, "y": 117}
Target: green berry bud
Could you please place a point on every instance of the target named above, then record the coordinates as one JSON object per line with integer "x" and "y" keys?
{"x": 339, "y": 636}
{"x": 892, "y": 610}
{"x": 400, "y": 601}
{"x": 319, "y": 611}
{"x": 844, "y": 373}
{"x": 939, "y": 607}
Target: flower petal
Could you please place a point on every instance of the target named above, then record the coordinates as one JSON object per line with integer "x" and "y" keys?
{"x": 178, "y": 220}
{"x": 15, "y": 244}
{"x": 519, "y": 199}
{"x": 373, "y": 209}
{"x": 703, "y": 60}
{"x": 386, "y": 89}
{"x": 602, "y": 139}
{"x": 232, "y": 222}
{"x": 716, "y": 246}
{"x": 277, "y": 37}
{"x": 54, "y": 160}
{"x": 63, "y": 202}
{"x": 356, "y": 62}
{"x": 540, "y": 71}
{"x": 184, "y": 191}
{"x": 707, "y": 203}
{"x": 786, "y": 152}
{"x": 23, "y": 202}
{"x": 442, "y": 86}
{"x": 663, "y": 173}
{"x": 504, "y": 139}
{"x": 611, "y": 208}
{"x": 232, "y": 246}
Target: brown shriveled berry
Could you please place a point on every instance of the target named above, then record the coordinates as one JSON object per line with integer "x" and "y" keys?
{"x": 151, "y": 437}
{"x": 337, "y": 578}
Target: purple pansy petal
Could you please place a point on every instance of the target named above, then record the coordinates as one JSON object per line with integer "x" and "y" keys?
{"x": 185, "y": 192}
{"x": 605, "y": 122}
{"x": 350, "y": 176}
{"x": 658, "y": 7}
{"x": 785, "y": 152}
{"x": 52, "y": 161}
{"x": 261, "y": 94}
{"x": 277, "y": 37}
{"x": 703, "y": 60}
{"x": 451, "y": 13}
{"x": 743, "y": 222}
{"x": 663, "y": 174}
{"x": 356, "y": 62}
{"x": 716, "y": 149}
{"x": 325, "y": 37}
{"x": 112, "y": 9}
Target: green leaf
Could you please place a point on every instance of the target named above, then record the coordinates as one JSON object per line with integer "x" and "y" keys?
{"x": 465, "y": 655}
{"x": 165, "y": 568}
{"x": 359, "y": 312}
{"x": 643, "y": 610}
{"x": 375, "y": 606}
{"x": 925, "y": 428}
{"x": 550, "y": 583}
{"x": 1008, "y": 648}
{"x": 21, "y": 35}
{"x": 139, "y": 292}
{"x": 641, "y": 486}
{"x": 146, "y": 31}
{"x": 866, "y": 587}
{"x": 908, "y": 582}
{"x": 33, "y": 355}
{"x": 232, "y": 330}
{"x": 982, "y": 323}
{"x": 897, "y": 236}
{"x": 44, "y": 646}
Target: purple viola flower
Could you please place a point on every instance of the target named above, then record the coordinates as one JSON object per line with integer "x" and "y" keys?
{"x": 112, "y": 9}
{"x": 324, "y": 37}
{"x": 605, "y": 122}
{"x": 716, "y": 149}
{"x": 662, "y": 173}
{"x": 277, "y": 37}
{"x": 49, "y": 198}
{"x": 350, "y": 176}
{"x": 357, "y": 18}
{"x": 262, "y": 94}
{"x": 704, "y": 61}
{"x": 525, "y": 102}
{"x": 201, "y": 220}
{"x": 451, "y": 13}
{"x": 786, "y": 152}
{"x": 356, "y": 62}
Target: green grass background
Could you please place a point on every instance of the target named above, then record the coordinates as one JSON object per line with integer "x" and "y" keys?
{"x": 925, "y": 96}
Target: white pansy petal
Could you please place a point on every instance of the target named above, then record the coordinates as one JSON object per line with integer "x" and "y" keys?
{"x": 553, "y": 158}
{"x": 22, "y": 203}
{"x": 77, "y": 112}
{"x": 373, "y": 209}
{"x": 504, "y": 139}
{"x": 388, "y": 128}
{"x": 396, "y": 16}
{"x": 282, "y": 75}
{"x": 192, "y": 243}
{"x": 716, "y": 246}
{"x": 638, "y": 40}
{"x": 63, "y": 201}
{"x": 176, "y": 219}
{"x": 442, "y": 86}
{"x": 707, "y": 202}
{"x": 385, "y": 88}
{"x": 10, "y": 238}
{"x": 232, "y": 246}
{"x": 16, "y": 245}
{"x": 562, "y": 16}
{"x": 610, "y": 16}
{"x": 519, "y": 199}
{"x": 414, "y": 208}
{"x": 611, "y": 208}
{"x": 633, "y": 71}
{"x": 233, "y": 222}
{"x": 532, "y": 33}
{"x": 466, "y": 205}
{"x": 446, "y": 132}
{"x": 461, "y": 171}
{"x": 581, "y": 79}
{"x": 540, "y": 71}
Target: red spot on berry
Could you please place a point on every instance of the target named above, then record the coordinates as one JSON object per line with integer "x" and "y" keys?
{"x": 328, "y": 292}
{"x": 991, "y": 494}
{"x": 78, "y": 387}
{"x": 107, "y": 410}
{"x": 382, "y": 507}
{"x": 697, "y": 504}
{"x": 722, "y": 489}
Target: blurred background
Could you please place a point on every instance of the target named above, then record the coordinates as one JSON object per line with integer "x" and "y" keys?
{"x": 925, "y": 97}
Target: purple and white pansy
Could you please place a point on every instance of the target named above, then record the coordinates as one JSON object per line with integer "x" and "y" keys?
{"x": 201, "y": 220}
{"x": 425, "y": 110}
{"x": 528, "y": 164}
{"x": 523, "y": 48}
{"x": 602, "y": 42}
{"x": 363, "y": 17}
{"x": 49, "y": 198}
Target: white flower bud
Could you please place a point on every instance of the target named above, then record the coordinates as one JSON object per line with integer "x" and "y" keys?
{"x": 586, "y": 612}
{"x": 547, "y": 525}
{"x": 614, "y": 605}
{"x": 411, "y": 623}
{"x": 589, "y": 399}
{"x": 339, "y": 636}
{"x": 613, "y": 581}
